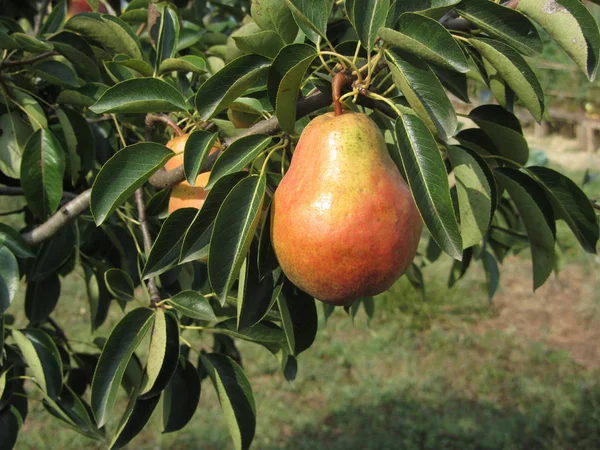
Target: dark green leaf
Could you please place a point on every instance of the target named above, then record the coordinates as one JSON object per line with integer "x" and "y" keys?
{"x": 119, "y": 284}
{"x": 503, "y": 23}
{"x": 78, "y": 52}
{"x": 9, "y": 278}
{"x": 197, "y": 148}
{"x": 41, "y": 298}
{"x": 515, "y": 71}
{"x": 428, "y": 39}
{"x": 30, "y": 106}
{"x": 42, "y": 169}
{"x": 31, "y": 43}
{"x": 255, "y": 295}
{"x": 311, "y": 16}
{"x": 15, "y": 243}
{"x": 140, "y": 95}
{"x": 42, "y": 357}
{"x": 86, "y": 95}
{"x": 163, "y": 354}
{"x": 122, "y": 174}
{"x": 134, "y": 419}
{"x": 237, "y": 156}
{"x": 570, "y": 204}
{"x": 197, "y": 237}
{"x": 275, "y": 15}
{"x": 187, "y": 63}
{"x": 229, "y": 83}
{"x": 98, "y": 296}
{"x": 424, "y": 92}
{"x": 504, "y": 130}
{"x": 53, "y": 254}
{"x": 53, "y": 22}
{"x": 110, "y": 32}
{"x": 368, "y": 17}
{"x": 193, "y": 304}
{"x": 475, "y": 196}
{"x": 428, "y": 181}
{"x": 459, "y": 268}
{"x": 10, "y": 424}
{"x": 233, "y": 231}
{"x": 303, "y": 316}
{"x": 167, "y": 246}
{"x": 56, "y": 72}
{"x": 492, "y": 273}
{"x": 572, "y": 26}
{"x": 265, "y": 43}
{"x": 117, "y": 352}
{"x": 285, "y": 78}
{"x": 165, "y": 32}
{"x": 536, "y": 213}
{"x": 181, "y": 397}
{"x": 235, "y": 396}
{"x": 15, "y": 132}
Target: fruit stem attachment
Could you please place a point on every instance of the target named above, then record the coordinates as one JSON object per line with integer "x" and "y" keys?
{"x": 338, "y": 81}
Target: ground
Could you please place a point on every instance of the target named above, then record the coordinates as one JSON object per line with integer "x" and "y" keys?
{"x": 445, "y": 371}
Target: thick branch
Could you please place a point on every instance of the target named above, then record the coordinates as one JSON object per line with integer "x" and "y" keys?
{"x": 66, "y": 214}
{"x": 141, "y": 207}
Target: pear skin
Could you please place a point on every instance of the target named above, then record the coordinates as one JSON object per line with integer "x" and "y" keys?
{"x": 343, "y": 222}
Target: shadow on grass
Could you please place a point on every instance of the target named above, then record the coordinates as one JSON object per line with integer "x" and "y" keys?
{"x": 404, "y": 423}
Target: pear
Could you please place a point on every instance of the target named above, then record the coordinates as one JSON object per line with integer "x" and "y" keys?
{"x": 343, "y": 221}
{"x": 183, "y": 194}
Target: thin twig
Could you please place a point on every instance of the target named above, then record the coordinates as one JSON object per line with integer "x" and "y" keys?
{"x": 141, "y": 207}
{"x": 10, "y": 213}
{"x": 11, "y": 191}
{"x": 153, "y": 119}
{"x": 25, "y": 61}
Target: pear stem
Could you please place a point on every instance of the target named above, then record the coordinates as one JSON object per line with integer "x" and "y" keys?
{"x": 339, "y": 80}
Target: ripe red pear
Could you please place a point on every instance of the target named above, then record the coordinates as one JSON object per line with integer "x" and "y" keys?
{"x": 343, "y": 222}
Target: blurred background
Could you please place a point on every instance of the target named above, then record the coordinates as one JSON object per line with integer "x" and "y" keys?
{"x": 434, "y": 369}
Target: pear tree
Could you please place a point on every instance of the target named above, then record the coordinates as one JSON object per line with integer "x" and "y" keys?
{"x": 92, "y": 95}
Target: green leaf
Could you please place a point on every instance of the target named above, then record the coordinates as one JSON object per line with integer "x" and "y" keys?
{"x": 86, "y": 95}
{"x": 187, "y": 63}
{"x": 276, "y": 16}
{"x": 193, "y": 304}
{"x": 572, "y": 26}
{"x": 141, "y": 67}
{"x": 233, "y": 231}
{"x": 265, "y": 43}
{"x": 55, "y": 19}
{"x": 31, "y": 107}
{"x": 428, "y": 181}
{"x": 424, "y": 92}
{"x": 98, "y": 296}
{"x": 53, "y": 254}
{"x": 570, "y": 204}
{"x": 10, "y": 424}
{"x": 285, "y": 78}
{"x": 42, "y": 170}
{"x": 122, "y": 174}
{"x": 515, "y": 71}
{"x": 78, "y": 52}
{"x": 9, "y": 278}
{"x": 302, "y": 314}
{"x": 237, "y": 156}
{"x": 136, "y": 416}
{"x": 119, "y": 284}
{"x": 56, "y": 72}
{"x": 504, "y": 130}
{"x": 474, "y": 196}
{"x": 256, "y": 296}
{"x": 454, "y": 82}
{"x": 15, "y": 243}
{"x": 459, "y": 268}
{"x": 31, "y": 43}
{"x": 235, "y": 395}
{"x": 42, "y": 357}
{"x": 167, "y": 246}
{"x": 80, "y": 143}
{"x": 115, "y": 356}
{"x": 140, "y": 95}
{"x": 165, "y": 32}
{"x": 14, "y": 135}
{"x": 368, "y": 17}
{"x": 428, "y": 39}
{"x": 492, "y": 273}
{"x": 41, "y": 298}
{"x": 264, "y": 333}
{"x": 163, "y": 354}
{"x": 197, "y": 148}
{"x": 181, "y": 397}
{"x": 311, "y": 16}
{"x": 536, "y": 213}
{"x": 217, "y": 93}
{"x": 197, "y": 237}
{"x": 502, "y": 23}
{"x": 108, "y": 31}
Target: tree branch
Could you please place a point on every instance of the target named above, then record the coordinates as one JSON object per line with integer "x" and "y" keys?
{"x": 65, "y": 215}
{"x": 141, "y": 207}
{"x": 153, "y": 119}
{"x": 10, "y": 191}
{"x": 25, "y": 61}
